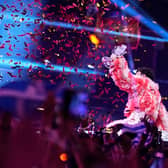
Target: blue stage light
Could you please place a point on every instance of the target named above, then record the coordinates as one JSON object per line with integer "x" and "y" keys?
{"x": 16, "y": 23}
{"x": 146, "y": 21}
{"x": 25, "y": 64}
{"x": 32, "y": 20}
{"x": 105, "y": 31}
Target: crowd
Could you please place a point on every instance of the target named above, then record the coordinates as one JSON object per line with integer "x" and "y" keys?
{"x": 65, "y": 136}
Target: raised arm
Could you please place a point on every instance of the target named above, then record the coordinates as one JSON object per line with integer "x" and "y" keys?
{"x": 120, "y": 73}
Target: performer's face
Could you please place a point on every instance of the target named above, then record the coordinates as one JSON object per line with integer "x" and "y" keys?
{"x": 138, "y": 73}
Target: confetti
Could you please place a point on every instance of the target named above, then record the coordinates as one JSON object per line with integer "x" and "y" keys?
{"x": 11, "y": 75}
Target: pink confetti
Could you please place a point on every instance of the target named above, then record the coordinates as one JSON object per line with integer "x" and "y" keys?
{"x": 10, "y": 47}
{"x": 8, "y": 54}
{"x": 2, "y": 46}
{"x": 13, "y": 76}
{"x": 126, "y": 6}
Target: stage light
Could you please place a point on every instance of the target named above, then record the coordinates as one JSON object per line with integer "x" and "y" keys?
{"x": 31, "y": 20}
{"x": 94, "y": 39}
{"x": 15, "y": 35}
{"x": 146, "y": 21}
{"x": 63, "y": 157}
{"x": 26, "y": 64}
{"x": 104, "y": 31}
{"x": 40, "y": 108}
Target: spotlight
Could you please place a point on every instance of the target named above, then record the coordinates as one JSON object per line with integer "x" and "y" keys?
{"x": 94, "y": 39}
{"x": 63, "y": 157}
{"x": 146, "y": 21}
{"x": 105, "y": 31}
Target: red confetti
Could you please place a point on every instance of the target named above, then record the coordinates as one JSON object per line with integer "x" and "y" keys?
{"x": 13, "y": 76}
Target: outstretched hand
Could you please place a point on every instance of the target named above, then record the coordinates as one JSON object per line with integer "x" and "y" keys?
{"x": 117, "y": 51}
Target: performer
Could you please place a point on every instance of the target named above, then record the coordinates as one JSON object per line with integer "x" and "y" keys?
{"x": 143, "y": 93}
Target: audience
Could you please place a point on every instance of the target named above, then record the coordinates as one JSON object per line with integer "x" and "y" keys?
{"x": 57, "y": 141}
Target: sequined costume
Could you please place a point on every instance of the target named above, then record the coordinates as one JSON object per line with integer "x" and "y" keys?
{"x": 143, "y": 94}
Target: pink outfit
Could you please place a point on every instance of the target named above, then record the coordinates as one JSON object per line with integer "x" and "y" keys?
{"x": 143, "y": 93}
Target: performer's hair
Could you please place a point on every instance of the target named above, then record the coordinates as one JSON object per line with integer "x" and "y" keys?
{"x": 147, "y": 71}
